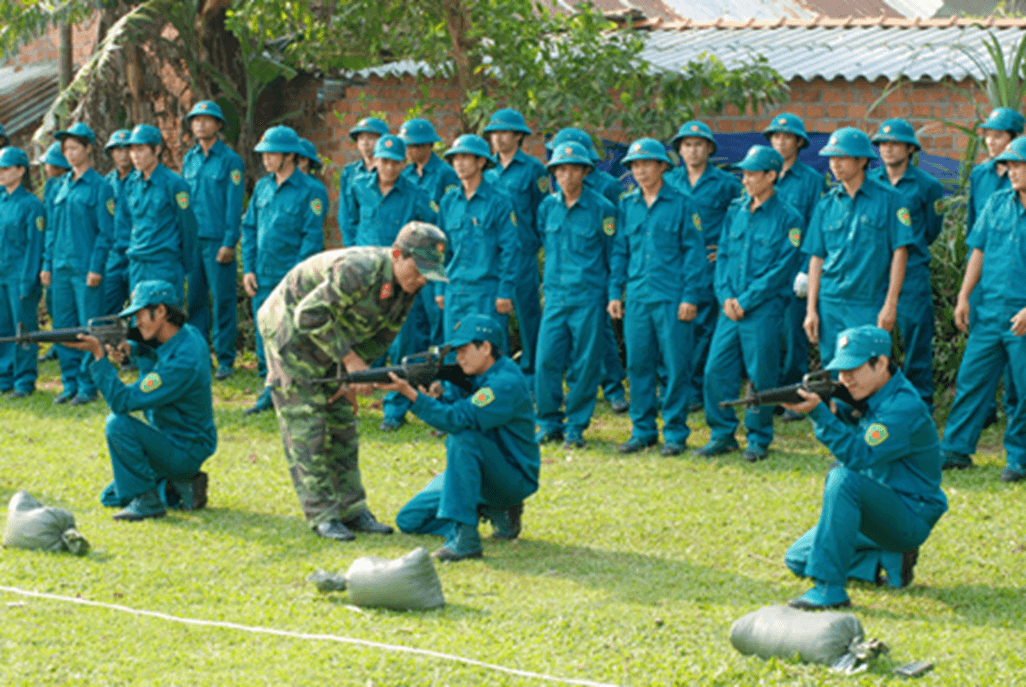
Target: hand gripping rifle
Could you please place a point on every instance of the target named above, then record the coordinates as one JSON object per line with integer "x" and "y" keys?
{"x": 818, "y": 382}
{"x": 419, "y": 369}
{"x": 109, "y": 329}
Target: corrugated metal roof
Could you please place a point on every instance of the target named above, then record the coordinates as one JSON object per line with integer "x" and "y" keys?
{"x": 870, "y": 52}
{"x": 26, "y": 93}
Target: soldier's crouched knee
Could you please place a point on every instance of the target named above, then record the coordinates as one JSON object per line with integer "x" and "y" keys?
{"x": 118, "y": 425}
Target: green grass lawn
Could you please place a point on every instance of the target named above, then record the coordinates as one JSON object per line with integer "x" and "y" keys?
{"x": 630, "y": 569}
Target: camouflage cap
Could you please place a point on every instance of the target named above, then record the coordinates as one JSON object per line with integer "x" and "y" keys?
{"x": 426, "y": 243}
{"x": 147, "y": 293}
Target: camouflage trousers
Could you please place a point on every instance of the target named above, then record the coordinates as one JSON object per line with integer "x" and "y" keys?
{"x": 321, "y": 448}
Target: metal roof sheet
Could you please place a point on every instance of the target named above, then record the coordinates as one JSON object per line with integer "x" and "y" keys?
{"x": 26, "y": 93}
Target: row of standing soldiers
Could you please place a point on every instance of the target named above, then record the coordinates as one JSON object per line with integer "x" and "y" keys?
{"x": 712, "y": 282}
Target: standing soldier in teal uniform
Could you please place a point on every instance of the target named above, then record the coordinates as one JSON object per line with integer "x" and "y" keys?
{"x": 215, "y": 174}
{"x": 78, "y": 238}
{"x": 578, "y": 227}
{"x": 284, "y": 225}
{"x": 1002, "y": 126}
{"x": 339, "y": 309}
{"x": 526, "y": 181}
{"x": 54, "y": 166}
{"x": 483, "y": 253}
{"x": 658, "y": 259}
{"x": 610, "y": 188}
{"x": 755, "y": 261}
{"x": 997, "y": 330}
{"x": 381, "y": 203}
{"x": 801, "y": 186}
{"x": 711, "y": 190}
{"x": 492, "y": 462}
{"x": 115, "y": 274}
{"x": 309, "y": 163}
{"x": 22, "y": 230}
{"x": 157, "y": 205}
{"x": 921, "y": 194}
{"x": 858, "y": 241}
{"x": 365, "y": 134}
{"x": 435, "y": 177}
{"x": 883, "y": 497}
{"x": 156, "y": 463}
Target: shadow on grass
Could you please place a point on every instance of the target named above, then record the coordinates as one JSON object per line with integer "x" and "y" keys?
{"x": 636, "y": 578}
{"x": 978, "y": 604}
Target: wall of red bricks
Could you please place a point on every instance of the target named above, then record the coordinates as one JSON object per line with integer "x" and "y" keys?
{"x": 46, "y": 48}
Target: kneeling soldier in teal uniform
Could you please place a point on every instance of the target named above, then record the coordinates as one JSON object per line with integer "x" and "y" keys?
{"x": 157, "y": 463}
{"x": 995, "y": 316}
{"x": 338, "y": 308}
{"x": 885, "y": 493}
{"x": 756, "y": 258}
{"x": 492, "y": 459}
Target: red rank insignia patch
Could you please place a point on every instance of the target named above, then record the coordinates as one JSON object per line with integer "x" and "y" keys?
{"x": 386, "y": 290}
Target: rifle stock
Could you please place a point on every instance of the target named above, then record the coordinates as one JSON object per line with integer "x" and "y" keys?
{"x": 419, "y": 369}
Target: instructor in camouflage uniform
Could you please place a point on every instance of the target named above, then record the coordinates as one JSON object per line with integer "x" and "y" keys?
{"x": 341, "y": 307}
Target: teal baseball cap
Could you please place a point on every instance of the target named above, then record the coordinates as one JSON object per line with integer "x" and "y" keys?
{"x": 118, "y": 139}
{"x": 573, "y": 135}
{"x": 145, "y": 134}
{"x": 762, "y": 159}
{"x": 897, "y": 131}
{"x": 369, "y": 125}
{"x": 848, "y": 142}
{"x": 390, "y": 147}
{"x": 13, "y": 157}
{"x": 1005, "y": 119}
{"x": 1015, "y": 152}
{"x": 151, "y": 292}
{"x": 507, "y": 119}
{"x": 53, "y": 156}
{"x": 418, "y": 131}
{"x": 857, "y": 345}
{"x": 476, "y": 328}
{"x": 79, "y": 130}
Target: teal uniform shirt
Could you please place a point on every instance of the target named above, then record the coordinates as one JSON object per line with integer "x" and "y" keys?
{"x": 801, "y": 186}
{"x": 116, "y": 181}
{"x": 22, "y": 232}
{"x": 658, "y": 251}
{"x": 856, "y": 238}
{"x": 984, "y": 182}
{"x": 710, "y": 198}
{"x": 498, "y": 407}
{"x": 349, "y": 172}
{"x": 173, "y": 390}
{"x": 49, "y": 192}
{"x": 438, "y": 178}
{"x": 159, "y": 212}
{"x": 216, "y": 180}
{"x": 578, "y": 244}
{"x": 1000, "y": 233}
{"x": 757, "y": 252}
{"x": 375, "y": 220}
{"x": 920, "y": 193}
{"x": 526, "y": 182}
{"x": 81, "y": 228}
{"x": 482, "y": 253}
{"x": 122, "y": 224}
{"x": 283, "y": 226}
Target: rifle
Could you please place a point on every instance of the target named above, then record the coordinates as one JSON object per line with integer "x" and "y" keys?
{"x": 818, "y": 383}
{"x": 109, "y": 329}
{"x": 419, "y": 369}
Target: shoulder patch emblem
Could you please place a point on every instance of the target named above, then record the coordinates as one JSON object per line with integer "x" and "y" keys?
{"x": 110, "y": 205}
{"x": 696, "y": 219}
{"x": 433, "y": 205}
{"x": 386, "y": 290}
{"x": 236, "y": 176}
{"x": 609, "y": 226}
{"x": 938, "y": 206}
{"x": 904, "y": 217}
{"x": 794, "y": 235}
{"x": 451, "y": 187}
{"x": 40, "y": 223}
{"x": 183, "y": 200}
{"x": 513, "y": 217}
{"x": 876, "y": 434}
{"x": 150, "y": 382}
{"x": 317, "y": 206}
{"x": 544, "y": 185}
{"x": 483, "y": 397}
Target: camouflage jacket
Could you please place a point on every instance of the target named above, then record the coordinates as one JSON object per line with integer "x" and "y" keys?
{"x": 327, "y": 306}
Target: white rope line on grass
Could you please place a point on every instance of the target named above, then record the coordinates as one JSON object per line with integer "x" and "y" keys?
{"x": 303, "y": 635}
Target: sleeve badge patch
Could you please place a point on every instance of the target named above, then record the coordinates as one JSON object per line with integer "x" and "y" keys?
{"x": 40, "y": 223}
{"x": 876, "y": 434}
{"x": 609, "y": 226}
{"x": 236, "y": 176}
{"x": 544, "y": 185}
{"x": 483, "y": 397}
{"x": 386, "y": 290}
{"x": 904, "y": 217}
{"x": 183, "y": 200}
{"x": 697, "y": 221}
{"x": 450, "y": 187}
{"x": 317, "y": 206}
{"x": 795, "y": 236}
{"x": 938, "y": 206}
{"x": 513, "y": 217}
{"x": 150, "y": 382}
{"x": 433, "y": 205}
{"x": 110, "y": 205}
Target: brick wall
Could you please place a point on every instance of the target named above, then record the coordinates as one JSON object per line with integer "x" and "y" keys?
{"x": 46, "y": 48}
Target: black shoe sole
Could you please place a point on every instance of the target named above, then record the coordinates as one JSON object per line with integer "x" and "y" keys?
{"x": 137, "y": 518}
{"x": 446, "y": 554}
{"x": 806, "y": 606}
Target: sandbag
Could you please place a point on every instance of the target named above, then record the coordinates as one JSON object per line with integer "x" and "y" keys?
{"x": 31, "y": 525}
{"x": 782, "y": 631}
{"x": 406, "y": 583}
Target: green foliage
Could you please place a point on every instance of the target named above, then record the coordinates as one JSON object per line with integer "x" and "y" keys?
{"x": 22, "y": 21}
{"x": 1002, "y": 78}
{"x": 630, "y": 569}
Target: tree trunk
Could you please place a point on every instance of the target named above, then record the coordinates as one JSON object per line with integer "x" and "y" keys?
{"x": 458, "y": 22}
{"x": 65, "y": 69}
